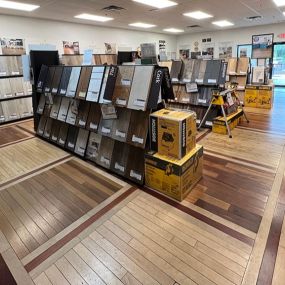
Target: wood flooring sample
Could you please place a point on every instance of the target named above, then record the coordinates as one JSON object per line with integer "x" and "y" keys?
{"x": 93, "y": 146}
{"x": 105, "y": 152}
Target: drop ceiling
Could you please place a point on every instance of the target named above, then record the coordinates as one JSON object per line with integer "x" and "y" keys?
{"x": 235, "y": 11}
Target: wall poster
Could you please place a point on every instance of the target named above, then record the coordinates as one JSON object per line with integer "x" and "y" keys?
{"x": 225, "y": 50}
{"x": 110, "y": 48}
{"x": 262, "y": 46}
{"x": 12, "y": 46}
{"x": 184, "y": 53}
{"x": 70, "y": 47}
{"x": 208, "y": 49}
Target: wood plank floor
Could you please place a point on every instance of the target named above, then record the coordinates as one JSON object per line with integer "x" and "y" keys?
{"x": 36, "y": 209}
{"x": 12, "y": 134}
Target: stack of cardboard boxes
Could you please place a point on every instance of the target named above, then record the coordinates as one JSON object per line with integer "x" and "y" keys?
{"x": 259, "y": 96}
{"x": 174, "y": 164}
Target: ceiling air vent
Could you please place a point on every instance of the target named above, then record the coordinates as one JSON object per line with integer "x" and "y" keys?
{"x": 113, "y": 8}
{"x": 194, "y": 26}
{"x": 253, "y": 18}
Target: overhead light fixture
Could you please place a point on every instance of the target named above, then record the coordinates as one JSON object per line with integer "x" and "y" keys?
{"x": 279, "y": 3}
{"x": 173, "y": 30}
{"x": 142, "y": 25}
{"x": 199, "y": 15}
{"x": 17, "y": 6}
{"x": 223, "y": 23}
{"x": 93, "y": 17}
{"x": 157, "y": 3}
{"x": 284, "y": 13}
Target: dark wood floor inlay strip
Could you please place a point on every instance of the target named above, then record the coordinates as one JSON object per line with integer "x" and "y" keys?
{"x": 6, "y": 277}
{"x": 200, "y": 217}
{"x": 59, "y": 244}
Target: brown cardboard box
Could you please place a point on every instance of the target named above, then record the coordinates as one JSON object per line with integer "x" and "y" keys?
{"x": 250, "y": 98}
{"x": 173, "y": 132}
{"x": 172, "y": 177}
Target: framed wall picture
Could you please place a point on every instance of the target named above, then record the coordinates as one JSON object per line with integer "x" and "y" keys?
{"x": 262, "y": 46}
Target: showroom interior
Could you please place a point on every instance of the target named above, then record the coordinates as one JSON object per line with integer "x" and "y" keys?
{"x": 142, "y": 142}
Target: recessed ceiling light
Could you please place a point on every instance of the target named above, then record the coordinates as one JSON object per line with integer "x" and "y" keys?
{"x": 93, "y": 18}
{"x": 199, "y": 15}
{"x": 279, "y": 3}
{"x": 142, "y": 25}
{"x": 173, "y": 30}
{"x": 18, "y": 6}
{"x": 157, "y": 3}
{"x": 284, "y": 13}
{"x": 223, "y": 23}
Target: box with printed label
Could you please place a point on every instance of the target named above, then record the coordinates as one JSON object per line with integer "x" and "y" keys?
{"x": 173, "y": 132}
{"x": 172, "y": 177}
{"x": 265, "y": 97}
{"x": 250, "y": 98}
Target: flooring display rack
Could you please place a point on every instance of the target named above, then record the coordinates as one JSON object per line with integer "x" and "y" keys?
{"x": 193, "y": 81}
{"x": 97, "y": 59}
{"x": 101, "y": 113}
{"x": 15, "y": 93}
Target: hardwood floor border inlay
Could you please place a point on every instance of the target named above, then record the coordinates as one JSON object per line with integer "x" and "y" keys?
{"x": 63, "y": 241}
{"x": 15, "y": 142}
{"x": 6, "y": 277}
{"x": 200, "y": 217}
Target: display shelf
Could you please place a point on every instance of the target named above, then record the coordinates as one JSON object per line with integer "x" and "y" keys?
{"x": 15, "y": 97}
{"x": 16, "y": 120}
{"x": 11, "y": 76}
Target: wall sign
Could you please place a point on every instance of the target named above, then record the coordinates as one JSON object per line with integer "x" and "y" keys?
{"x": 262, "y": 46}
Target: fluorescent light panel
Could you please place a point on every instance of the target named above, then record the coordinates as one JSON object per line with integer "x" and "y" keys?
{"x": 93, "y": 17}
{"x": 279, "y": 3}
{"x": 223, "y": 23}
{"x": 173, "y": 30}
{"x": 18, "y": 6}
{"x": 157, "y": 3}
{"x": 199, "y": 15}
{"x": 142, "y": 25}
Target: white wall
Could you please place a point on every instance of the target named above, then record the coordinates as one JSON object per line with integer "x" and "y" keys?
{"x": 37, "y": 31}
{"x": 236, "y": 36}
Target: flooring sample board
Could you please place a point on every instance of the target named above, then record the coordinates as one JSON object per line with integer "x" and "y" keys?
{"x": 166, "y": 64}
{"x": 175, "y": 72}
{"x": 123, "y": 85}
{"x": 42, "y": 78}
{"x": 138, "y": 129}
{"x": 99, "y": 59}
{"x": 243, "y": 65}
{"x": 42, "y": 124}
{"x": 81, "y": 143}
{"x": 105, "y": 152}
{"x": 73, "y": 82}
{"x": 258, "y": 75}
{"x": 49, "y": 79}
{"x": 55, "y": 130}
{"x": 140, "y": 87}
{"x": 83, "y": 82}
{"x": 232, "y": 66}
{"x": 3, "y": 66}
{"x": 63, "y": 110}
{"x": 196, "y": 69}
{"x": 188, "y": 66}
{"x": 28, "y": 89}
{"x": 103, "y": 87}
{"x": 14, "y": 65}
{"x": 72, "y": 112}
{"x": 71, "y": 138}
{"x": 25, "y": 107}
{"x": 62, "y": 135}
{"x": 105, "y": 127}
{"x": 202, "y": 70}
{"x": 65, "y": 77}
{"x": 95, "y": 83}
{"x": 48, "y": 128}
{"x": 56, "y": 80}
{"x": 5, "y": 88}
{"x": 93, "y": 146}
{"x": 135, "y": 167}
{"x": 212, "y": 73}
{"x": 94, "y": 117}
{"x": 55, "y": 107}
{"x": 10, "y": 110}
{"x": 121, "y": 125}
{"x": 72, "y": 59}
{"x": 17, "y": 86}
{"x": 2, "y": 117}
{"x": 120, "y": 157}
{"x": 205, "y": 96}
{"x": 83, "y": 112}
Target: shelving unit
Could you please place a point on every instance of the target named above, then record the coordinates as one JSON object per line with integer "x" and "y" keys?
{"x": 15, "y": 94}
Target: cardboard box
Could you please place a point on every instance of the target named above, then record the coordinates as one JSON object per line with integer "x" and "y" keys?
{"x": 250, "y": 98}
{"x": 172, "y": 177}
{"x": 219, "y": 123}
{"x": 265, "y": 97}
{"x": 173, "y": 132}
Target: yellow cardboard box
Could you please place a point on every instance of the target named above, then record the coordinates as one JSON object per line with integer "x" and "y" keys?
{"x": 250, "y": 97}
{"x": 173, "y": 132}
{"x": 172, "y": 177}
{"x": 219, "y": 123}
{"x": 265, "y": 97}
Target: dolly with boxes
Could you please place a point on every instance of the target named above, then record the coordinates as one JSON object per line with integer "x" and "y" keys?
{"x": 174, "y": 164}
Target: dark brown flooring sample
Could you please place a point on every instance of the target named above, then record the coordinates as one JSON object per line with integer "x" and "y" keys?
{"x": 11, "y": 134}
{"x": 120, "y": 157}
{"x": 83, "y": 82}
{"x": 93, "y": 146}
{"x": 105, "y": 152}
{"x": 121, "y": 125}
{"x": 6, "y": 277}
{"x": 94, "y": 117}
{"x": 83, "y": 112}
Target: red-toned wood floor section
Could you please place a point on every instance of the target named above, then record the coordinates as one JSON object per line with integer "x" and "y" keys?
{"x": 6, "y": 277}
